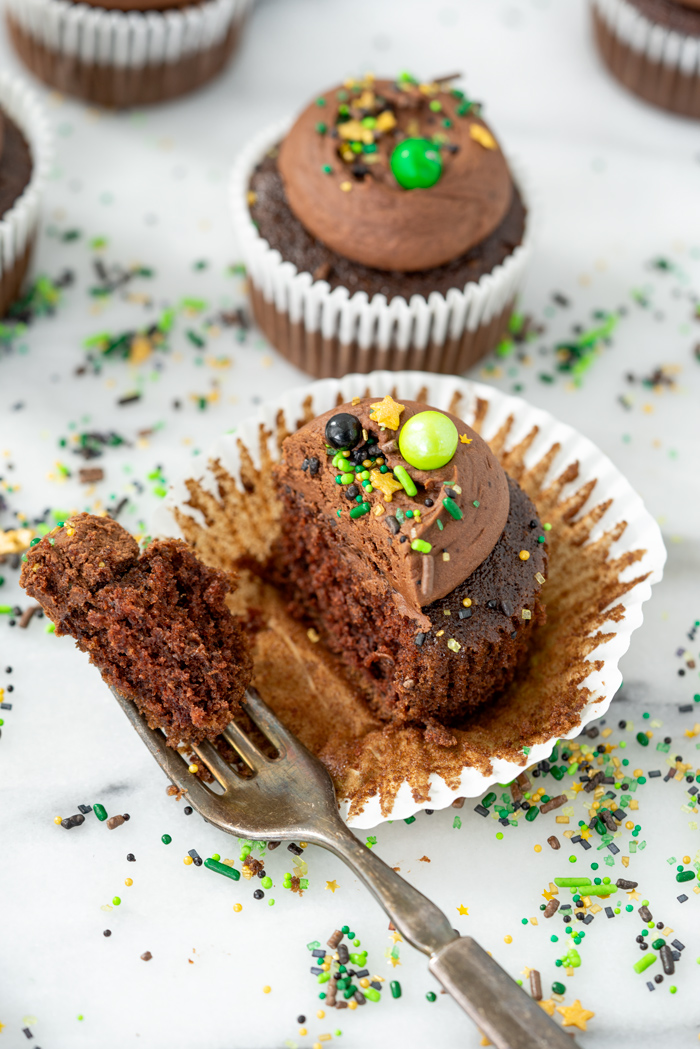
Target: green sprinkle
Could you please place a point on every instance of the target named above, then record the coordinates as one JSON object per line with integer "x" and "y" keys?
{"x": 421, "y": 546}
{"x": 532, "y": 813}
{"x": 558, "y": 988}
{"x": 644, "y": 962}
{"x": 327, "y": 169}
{"x": 347, "y": 478}
{"x": 566, "y": 883}
{"x": 166, "y": 839}
{"x": 643, "y": 739}
{"x": 266, "y": 883}
{"x": 116, "y": 900}
{"x": 360, "y": 511}
{"x": 100, "y": 811}
{"x": 431, "y": 996}
{"x": 222, "y": 868}
{"x": 405, "y": 480}
{"x": 322, "y": 128}
{"x": 452, "y": 508}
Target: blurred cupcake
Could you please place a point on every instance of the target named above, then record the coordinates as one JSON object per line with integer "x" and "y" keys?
{"x": 653, "y": 48}
{"x": 383, "y": 230}
{"x": 125, "y": 52}
{"x": 25, "y": 150}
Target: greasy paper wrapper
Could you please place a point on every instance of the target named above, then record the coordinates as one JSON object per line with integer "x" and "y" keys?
{"x": 330, "y": 333}
{"x": 118, "y": 58}
{"x": 19, "y": 225}
{"x": 605, "y": 551}
{"x": 658, "y": 64}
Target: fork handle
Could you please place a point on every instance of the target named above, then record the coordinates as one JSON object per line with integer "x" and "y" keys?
{"x": 503, "y": 1011}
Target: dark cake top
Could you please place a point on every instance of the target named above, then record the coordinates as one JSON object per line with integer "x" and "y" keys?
{"x": 415, "y": 489}
{"x": 396, "y": 175}
{"x": 156, "y": 624}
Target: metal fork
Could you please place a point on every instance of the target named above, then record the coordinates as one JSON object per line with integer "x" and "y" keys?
{"x": 291, "y": 797}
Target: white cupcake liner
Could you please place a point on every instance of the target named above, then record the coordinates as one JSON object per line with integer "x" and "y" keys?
{"x": 641, "y": 533}
{"x": 127, "y": 39}
{"x": 396, "y": 334}
{"x": 658, "y": 63}
{"x": 19, "y": 225}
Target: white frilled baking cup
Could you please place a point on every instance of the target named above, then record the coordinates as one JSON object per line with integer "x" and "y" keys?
{"x": 61, "y": 40}
{"x": 641, "y": 533}
{"x": 660, "y": 64}
{"x": 18, "y": 226}
{"x": 329, "y": 332}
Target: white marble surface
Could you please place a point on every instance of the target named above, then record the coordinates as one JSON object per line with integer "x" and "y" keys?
{"x": 617, "y": 186}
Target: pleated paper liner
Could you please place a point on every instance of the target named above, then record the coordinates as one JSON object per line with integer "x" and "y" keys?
{"x": 329, "y": 332}
{"x": 117, "y": 58}
{"x": 18, "y": 226}
{"x": 659, "y": 64}
{"x": 605, "y": 551}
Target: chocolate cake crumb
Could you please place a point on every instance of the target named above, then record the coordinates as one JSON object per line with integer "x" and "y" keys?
{"x": 156, "y": 624}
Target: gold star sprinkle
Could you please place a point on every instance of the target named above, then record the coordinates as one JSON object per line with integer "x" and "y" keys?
{"x": 577, "y": 787}
{"x": 462, "y": 909}
{"x": 397, "y": 937}
{"x": 483, "y": 136}
{"x": 634, "y": 895}
{"x": 548, "y": 1006}
{"x": 394, "y": 962}
{"x": 575, "y": 1015}
{"x": 386, "y": 412}
{"x": 464, "y": 439}
{"x": 332, "y": 885}
{"x": 386, "y": 483}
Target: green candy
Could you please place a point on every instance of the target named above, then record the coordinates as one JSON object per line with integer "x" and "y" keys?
{"x": 416, "y": 163}
{"x": 428, "y": 440}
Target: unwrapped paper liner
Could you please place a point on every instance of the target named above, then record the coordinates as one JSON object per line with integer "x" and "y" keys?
{"x": 641, "y": 532}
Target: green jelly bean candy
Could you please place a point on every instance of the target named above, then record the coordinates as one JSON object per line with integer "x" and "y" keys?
{"x": 395, "y": 989}
{"x": 374, "y": 996}
{"x": 685, "y": 875}
{"x": 323, "y": 977}
{"x": 658, "y": 943}
{"x": 489, "y": 799}
{"x": 532, "y": 813}
{"x": 100, "y": 811}
{"x": 643, "y": 739}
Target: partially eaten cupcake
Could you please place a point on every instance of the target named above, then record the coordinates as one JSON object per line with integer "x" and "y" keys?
{"x": 406, "y": 546}
{"x": 156, "y": 623}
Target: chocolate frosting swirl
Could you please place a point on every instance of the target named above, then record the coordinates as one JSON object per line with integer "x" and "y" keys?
{"x": 352, "y": 202}
{"x": 458, "y": 547}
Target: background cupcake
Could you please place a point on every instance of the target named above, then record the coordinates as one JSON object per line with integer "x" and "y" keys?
{"x": 653, "y": 48}
{"x": 125, "y": 52}
{"x": 384, "y": 229}
{"x": 24, "y": 162}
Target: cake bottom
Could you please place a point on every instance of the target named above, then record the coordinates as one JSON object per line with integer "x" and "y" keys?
{"x": 430, "y": 669}
{"x": 121, "y": 86}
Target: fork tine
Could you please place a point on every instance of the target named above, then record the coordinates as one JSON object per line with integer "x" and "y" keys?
{"x": 267, "y": 722}
{"x": 250, "y": 753}
{"x": 215, "y": 763}
{"x": 172, "y": 764}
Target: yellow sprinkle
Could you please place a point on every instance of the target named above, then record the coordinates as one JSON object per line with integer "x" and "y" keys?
{"x": 562, "y": 819}
{"x": 352, "y": 1004}
{"x": 313, "y": 636}
{"x": 193, "y": 769}
{"x": 467, "y": 602}
{"x": 356, "y": 400}
{"x": 686, "y": 859}
{"x": 439, "y": 633}
{"x": 526, "y": 613}
{"x": 251, "y": 197}
{"x": 483, "y": 136}
{"x": 445, "y": 556}
{"x": 266, "y": 989}
{"x": 324, "y": 1038}
{"x": 385, "y": 121}
{"x": 303, "y": 1031}
{"x": 538, "y": 848}
{"x": 630, "y": 826}
{"x": 128, "y": 881}
{"x": 638, "y": 772}
{"x": 364, "y": 982}
{"x": 57, "y": 819}
{"x": 524, "y": 555}
{"x": 187, "y": 860}
{"x": 320, "y": 1013}
{"x": 346, "y": 186}
{"x": 326, "y": 966}
{"x": 453, "y": 645}
{"x": 446, "y": 612}
{"x": 507, "y": 939}
{"x": 238, "y": 907}
{"x": 539, "y": 577}
{"x": 303, "y": 844}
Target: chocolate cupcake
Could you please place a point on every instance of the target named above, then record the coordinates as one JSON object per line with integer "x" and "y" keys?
{"x": 415, "y": 557}
{"x": 25, "y": 150}
{"x": 653, "y": 48}
{"x": 384, "y": 229}
{"x": 125, "y": 52}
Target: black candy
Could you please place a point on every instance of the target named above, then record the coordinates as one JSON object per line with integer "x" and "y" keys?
{"x": 343, "y": 430}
